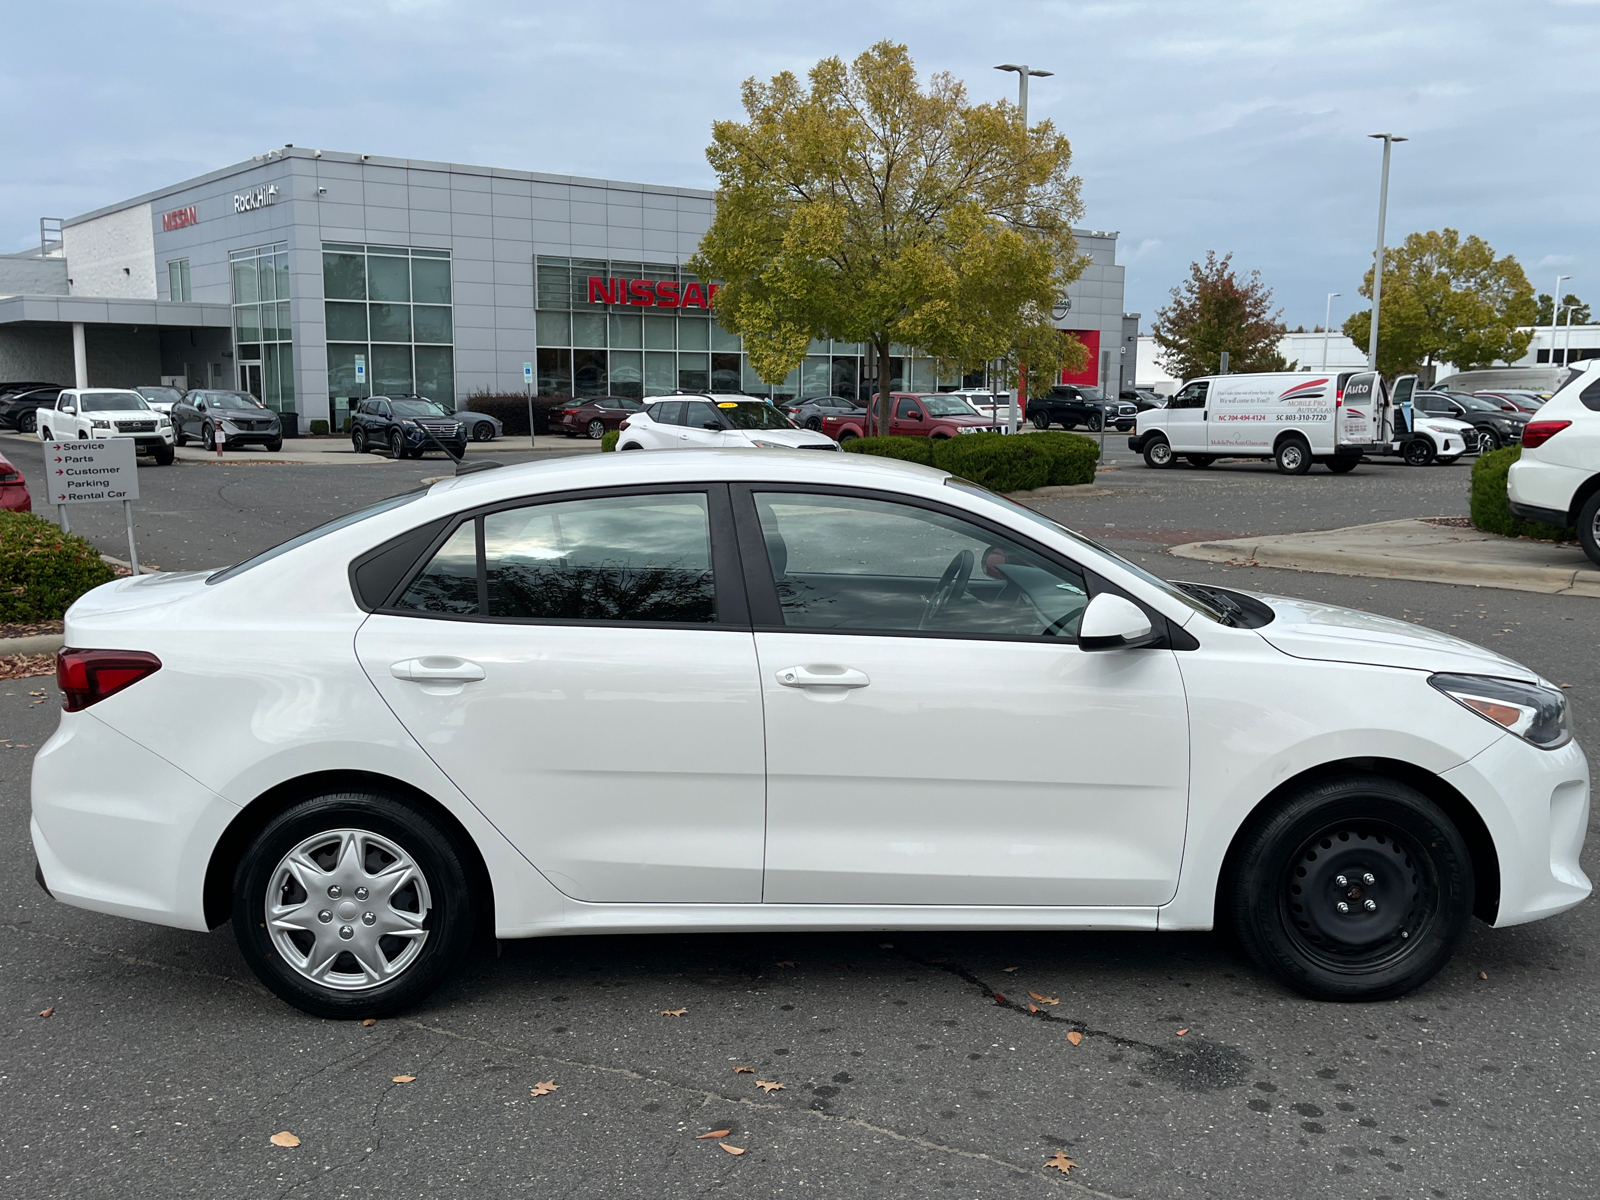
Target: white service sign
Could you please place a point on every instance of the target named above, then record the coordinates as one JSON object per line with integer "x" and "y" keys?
{"x": 88, "y": 472}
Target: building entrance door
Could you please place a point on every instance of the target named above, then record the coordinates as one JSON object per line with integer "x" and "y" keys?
{"x": 250, "y": 378}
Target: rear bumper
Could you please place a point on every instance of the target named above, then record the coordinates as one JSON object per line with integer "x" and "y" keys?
{"x": 1532, "y": 512}
{"x": 1534, "y": 484}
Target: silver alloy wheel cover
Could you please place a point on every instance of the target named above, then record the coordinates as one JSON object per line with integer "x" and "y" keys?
{"x": 347, "y": 927}
{"x": 1485, "y": 442}
{"x": 1161, "y": 451}
{"x": 1291, "y": 455}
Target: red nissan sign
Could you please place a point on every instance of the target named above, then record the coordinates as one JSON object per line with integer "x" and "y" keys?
{"x": 662, "y": 293}
{"x": 179, "y": 217}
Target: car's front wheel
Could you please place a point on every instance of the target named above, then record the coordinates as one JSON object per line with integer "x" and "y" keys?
{"x": 397, "y": 445}
{"x": 352, "y": 905}
{"x": 1488, "y": 441}
{"x": 1355, "y": 888}
{"x": 1418, "y": 452}
{"x": 1158, "y": 452}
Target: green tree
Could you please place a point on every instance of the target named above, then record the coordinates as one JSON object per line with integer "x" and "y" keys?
{"x": 1579, "y": 315}
{"x": 1447, "y": 299}
{"x": 867, "y": 208}
{"x": 1216, "y": 310}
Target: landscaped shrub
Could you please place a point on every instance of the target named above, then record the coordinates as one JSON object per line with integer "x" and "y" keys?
{"x": 319, "y": 427}
{"x": 1073, "y": 457}
{"x": 1490, "y": 510}
{"x": 1000, "y": 462}
{"x": 608, "y": 441}
{"x": 512, "y": 410}
{"x": 42, "y": 570}
{"x": 912, "y": 449}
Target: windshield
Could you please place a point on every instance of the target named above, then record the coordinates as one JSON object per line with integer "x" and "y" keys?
{"x": 1022, "y": 510}
{"x": 231, "y": 400}
{"x": 753, "y": 414}
{"x": 1477, "y": 403}
{"x": 311, "y": 535}
{"x": 161, "y": 395}
{"x": 947, "y": 406}
{"x": 113, "y": 402}
{"x": 417, "y": 408}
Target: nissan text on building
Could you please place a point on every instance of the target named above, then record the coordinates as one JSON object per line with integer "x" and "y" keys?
{"x": 278, "y": 276}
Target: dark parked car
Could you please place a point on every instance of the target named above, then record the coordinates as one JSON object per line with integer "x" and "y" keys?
{"x": 244, "y": 419}
{"x": 1143, "y": 398}
{"x": 480, "y": 427}
{"x": 1523, "y": 402}
{"x": 406, "y": 428}
{"x": 808, "y": 413}
{"x": 1072, "y": 405}
{"x": 1495, "y": 426}
{"x": 20, "y": 410}
{"x": 596, "y": 416}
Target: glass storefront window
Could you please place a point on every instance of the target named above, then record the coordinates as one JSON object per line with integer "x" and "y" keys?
{"x": 390, "y": 322}
{"x": 263, "y": 361}
{"x": 721, "y": 339}
{"x": 436, "y": 373}
{"x": 694, "y": 333}
{"x": 725, "y": 372}
{"x": 589, "y": 329}
{"x": 388, "y": 278}
{"x": 344, "y": 276}
{"x": 390, "y": 368}
{"x": 660, "y": 373}
{"x": 694, "y": 372}
{"x": 625, "y": 334}
{"x": 430, "y": 280}
{"x": 815, "y": 377}
{"x": 589, "y": 372}
{"x": 753, "y": 384}
{"x": 554, "y": 328}
{"x": 346, "y": 322}
{"x": 660, "y": 333}
{"x": 627, "y": 373}
{"x": 431, "y": 323}
{"x": 178, "y": 279}
{"x": 408, "y": 348}
{"x": 342, "y": 372}
{"x": 555, "y": 372}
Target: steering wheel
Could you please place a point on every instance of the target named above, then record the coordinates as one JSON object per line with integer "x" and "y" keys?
{"x": 951, "y": 584}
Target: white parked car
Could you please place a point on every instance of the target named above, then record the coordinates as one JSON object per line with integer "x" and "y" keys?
{"x": 106, "y": 413}
{"x": 702, "y": 422}
{"x": 1557, "y": 478}
{"x": 742, "y": 669}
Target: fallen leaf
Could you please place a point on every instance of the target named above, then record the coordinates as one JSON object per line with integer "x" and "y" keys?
{"x": 370, "y": 1022}
{"x": 715, "y": 1133}
{"x": 1481, "y": 975}
{"x": 1008, "y": 970}
{"x": 545, "y": 1088}
{"x": 673, "y": 1012}
{"x": 1044, "y": 999}
{"x": 51, "y": 1010}
{"x": 999, "y": 999}
{"x": 1075, "y": 1038}
{"x": 1181, "y": 1032}
{"x": 404, "y": 1079}
{"x": 284, "y": 1139}
{"x": 769, "y": 1087}
{"x": 1033, "y": 1008}
{"x": 744, "y": 1070}
{"x": 1061, "y": 1162}
{"x": 785, "y": 963}
{"x": 731, "y": 1149}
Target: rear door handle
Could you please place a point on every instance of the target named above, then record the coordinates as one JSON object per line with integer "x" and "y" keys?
{"x": 823, "y": 676}
{"x": 437, "y": 668}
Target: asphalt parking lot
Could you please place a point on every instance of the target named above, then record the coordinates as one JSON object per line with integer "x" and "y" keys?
{"x": 910, "y": 1065}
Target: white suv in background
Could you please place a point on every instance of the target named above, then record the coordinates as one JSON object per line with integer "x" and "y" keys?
{"x": 1557, "y": 479}
{"x": 96, "y": 413}
{"x": 700, "y": 422}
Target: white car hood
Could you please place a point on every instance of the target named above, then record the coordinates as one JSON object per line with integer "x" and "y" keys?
{"x": 1306, "y": 629}
{"x": 794, "y": 438}
{"x": 1444, "y": 424}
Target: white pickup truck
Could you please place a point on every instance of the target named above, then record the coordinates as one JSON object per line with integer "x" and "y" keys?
{"x": 108, "y": 412}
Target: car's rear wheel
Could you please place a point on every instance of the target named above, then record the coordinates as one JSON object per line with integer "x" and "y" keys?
{"x": 28, "y": 422}
{"x": 596, "y": 429}
{"x": 44, "y": 435}
{"x": 1041, "y": 420}
{"x": 814, "y": 424}
{"x": 1293, "y": 456}
{"x": 1418, "y": 452}
{"x": 358, "y": 439}
{"x": 1341, "y": 465}
{"x": 1589, "y": 528}
{"x": 352, "y": 905}
{"x": 483, "y": 431}
{"x": 847, "y": 436}
{"x": 1352, "y": 889}
{"x": 1158, "y": 452}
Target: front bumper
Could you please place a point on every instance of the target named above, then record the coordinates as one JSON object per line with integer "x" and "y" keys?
{"x": 1136, "y": 442}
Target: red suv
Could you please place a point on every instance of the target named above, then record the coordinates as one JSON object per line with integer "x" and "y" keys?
{"x": 597, "y": 416}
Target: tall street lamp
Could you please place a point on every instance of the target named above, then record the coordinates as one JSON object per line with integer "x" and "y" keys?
{"x": 1327, "y": 315}
{"x": 1555, "y": 316}
{"x": 1389, "y": 139}
{"x": 1023, "y": 71}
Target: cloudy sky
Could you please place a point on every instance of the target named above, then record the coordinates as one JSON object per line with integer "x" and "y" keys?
{"x": 1196, "y": 126}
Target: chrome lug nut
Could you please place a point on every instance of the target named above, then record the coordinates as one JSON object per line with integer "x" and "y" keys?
{"x": 1369, "y": 905}
{"x": 1342, "y": 907}
{"x": 1369, "y": 879}
{"x": 1341, "y": 881}
{"x": 335, "y": 892}
{"x": 361, "y": 892}
{"x": 346, "y": 932}
{"x": 324, "y": 916}
{"x": 369, "y": 918}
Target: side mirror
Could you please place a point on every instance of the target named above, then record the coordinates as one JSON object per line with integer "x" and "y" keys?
{"x": 913, "y": 416}
{"x": 1114, "y": 623}
{"x": 716, "y": 426}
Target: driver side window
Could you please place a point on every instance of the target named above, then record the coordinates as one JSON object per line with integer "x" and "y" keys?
{"x": 851, "y": 563}
{"x": 1193, "y": 396}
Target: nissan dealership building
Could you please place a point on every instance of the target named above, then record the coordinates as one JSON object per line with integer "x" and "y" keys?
{"x": 313, "y": 278}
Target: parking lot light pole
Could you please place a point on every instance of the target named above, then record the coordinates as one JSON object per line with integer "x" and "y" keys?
{"x": 1327, "y": 316}
{"x": 1389, "y": 139}
{"x": 1023, "y": 70}
{"x": 1555, "y": 316}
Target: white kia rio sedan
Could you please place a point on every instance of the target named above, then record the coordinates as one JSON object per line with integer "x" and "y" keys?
{"x": 694, "y": 691}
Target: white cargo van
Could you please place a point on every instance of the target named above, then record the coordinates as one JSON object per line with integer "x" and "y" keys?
{"x": 1294, "y": 417}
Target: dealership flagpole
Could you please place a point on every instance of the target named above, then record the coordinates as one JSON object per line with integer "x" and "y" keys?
{"x": 1019, "y": 394}
{"x": 1389, "y": 139}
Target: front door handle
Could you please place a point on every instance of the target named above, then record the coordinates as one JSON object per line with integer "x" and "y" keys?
{"x": 437, "y": 668}
{"x": 820, "y": 675}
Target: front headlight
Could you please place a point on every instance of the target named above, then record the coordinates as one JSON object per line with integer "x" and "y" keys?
{"x": 1534, "y": 712}
{"x": 99, "y": 423}
{"x": 162, "y": 422}
{"x": 762, "y": 444}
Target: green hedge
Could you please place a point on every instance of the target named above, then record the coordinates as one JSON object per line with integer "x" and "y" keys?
{"x": 608, "y": 441}
{"x": 1490, "y": 510}
{"x": 319, "y": 427}
{"x": 42, "y": 570}
{"x": 1001, "y": 462}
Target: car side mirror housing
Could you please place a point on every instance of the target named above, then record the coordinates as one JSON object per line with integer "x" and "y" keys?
{"x": 915, "y": 416}
{"x": 1114, "y": 623}
{"x": 712, "y": 425}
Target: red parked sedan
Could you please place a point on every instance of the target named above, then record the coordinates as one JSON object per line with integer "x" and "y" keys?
{"x": 13, "y": 489}
{"x": 597, "y": 416}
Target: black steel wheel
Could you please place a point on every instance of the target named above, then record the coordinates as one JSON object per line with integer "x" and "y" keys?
{"x": 1418, "y": 452}
{"x": 1355, "y": 888}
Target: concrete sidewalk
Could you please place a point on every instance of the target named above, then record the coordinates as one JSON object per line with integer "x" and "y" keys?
{"x": 337, "y": 452}
{"x": 1416, "y": 549}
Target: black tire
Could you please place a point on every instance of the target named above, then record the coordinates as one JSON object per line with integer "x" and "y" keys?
{"x": 1093, "y": 422}
{"x": 1293, "y": 456}
{"x": 1158, "y": 452}
{"x": 847, "y": 436}
{"x": 397, "y": 444}
{"x": 1285, "y": 868}
{"x": 207, "y": 437}
{"x": 178, "y": 438}
{"x": 1343, "y": 466}
{"x": 814, "y": 424}
{"x": 1199, "y": 460}
{"x": 28, "y": 422}
{"x": 1041, "y": 420}
{"x": 448, "y": 915}
{"x": 1444, "y": 460}
{"x": 631, "y": 446}
{"x": 274, "y": 446}
{"x": 358, "y": 439}
{"x": 1589, "y": 528}
{"x": 1418, "y": 452}
{"x": 1488, "y": 441}
{"x": 483, "y": 431}
{"x": 165, "y": 456}
{"x": 596, "y": 429}
{"x": 44, "y": 436}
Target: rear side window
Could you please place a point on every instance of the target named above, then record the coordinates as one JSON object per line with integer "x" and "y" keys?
{"x": 1591, "y": 394}
{"x": 667, "y": 412}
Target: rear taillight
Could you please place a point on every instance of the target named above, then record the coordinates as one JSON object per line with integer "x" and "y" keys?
{"x": 10, "y": 477}
{"x": 87, "y": 677}
{"x": 624, "y": 424}
{"x": 1537, "y": 433}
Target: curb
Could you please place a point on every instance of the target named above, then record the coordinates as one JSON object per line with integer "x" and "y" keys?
{"x": 43, "y": 643}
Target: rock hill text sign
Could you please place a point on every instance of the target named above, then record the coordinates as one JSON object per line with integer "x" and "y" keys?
{"x": 661, "y": 293}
